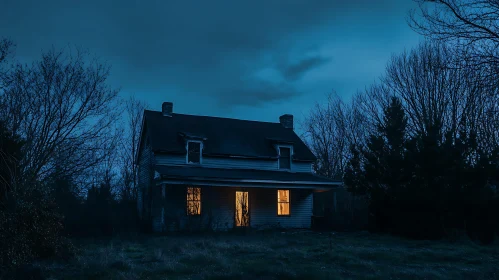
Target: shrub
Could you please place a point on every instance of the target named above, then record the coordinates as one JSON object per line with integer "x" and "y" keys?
{"x": 30, "y": 228}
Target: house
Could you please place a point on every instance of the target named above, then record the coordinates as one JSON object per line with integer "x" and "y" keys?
{"x": 200, "y": 172}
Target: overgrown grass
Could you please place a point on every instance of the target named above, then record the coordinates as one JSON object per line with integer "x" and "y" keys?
{"x": 290, "y": 255}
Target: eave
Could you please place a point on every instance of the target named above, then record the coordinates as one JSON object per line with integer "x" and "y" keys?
{"x": 248, "y": 183}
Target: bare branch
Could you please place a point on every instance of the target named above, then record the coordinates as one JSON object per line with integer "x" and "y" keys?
{"x": 63, "y": 108}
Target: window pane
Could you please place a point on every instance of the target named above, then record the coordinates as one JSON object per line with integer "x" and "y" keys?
{"x": 284, "y": 158}
{"x": 194, "y": 207}
{"x": 190, "y": 194}
{"x": 193, "y": 193}
{"x": 283, "y": 209}
{"x": 283, "y": 195}
{"x": 194, "y": 149}
{"x": 285, "y": 152}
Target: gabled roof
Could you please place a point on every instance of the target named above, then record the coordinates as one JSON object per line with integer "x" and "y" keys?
{"x": 222, "y": 136}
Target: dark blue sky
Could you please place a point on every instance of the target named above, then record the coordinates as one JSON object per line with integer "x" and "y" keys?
{"x": 252, "y": 59}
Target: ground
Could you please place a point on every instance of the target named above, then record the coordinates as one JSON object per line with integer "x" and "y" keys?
{"x": 277, "y": 255}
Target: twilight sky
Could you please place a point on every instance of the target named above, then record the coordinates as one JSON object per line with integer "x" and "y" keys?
{"x": 252, "y": 59}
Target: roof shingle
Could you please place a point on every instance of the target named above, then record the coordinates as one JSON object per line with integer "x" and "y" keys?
{"x": 224, "y": 136}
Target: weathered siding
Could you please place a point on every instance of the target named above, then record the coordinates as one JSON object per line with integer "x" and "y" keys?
{"x": 145, "y": 172}
{"x": 217, "y": 162}
{"x": 171, "y": 159}
{"x": 301, "y": 166}
{"x": 263, "y": 209}
{"x": 216, "y": 210}
{"x": 218, "y": 204}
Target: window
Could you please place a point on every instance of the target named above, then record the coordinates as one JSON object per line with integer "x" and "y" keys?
{"x": 284, "y": 158}
{"x": 193, "y": 201}
{"x": 283, "y": 202}
{"x": 193, "y": 152}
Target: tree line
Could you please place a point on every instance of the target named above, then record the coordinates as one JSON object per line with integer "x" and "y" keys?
{"x": 68, "y": 145}
{"x": 421, "y": 143}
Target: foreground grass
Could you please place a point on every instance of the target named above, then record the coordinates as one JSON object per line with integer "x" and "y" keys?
{"x": 291, "y": 255}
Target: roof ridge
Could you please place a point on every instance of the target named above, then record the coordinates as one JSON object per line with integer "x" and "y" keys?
{"x": 214, "y": 117}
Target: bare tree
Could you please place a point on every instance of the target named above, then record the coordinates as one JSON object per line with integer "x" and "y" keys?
{"x": 8, "y": 161}
{"x": 60, "y": 105}
{"x": 330, "y": 130}
{"x": 6, "y": 48}
{"x": 467, "y": 24}
{"x": 436, "y": 94}
{"x": 134, "y": 109}
{"x": 6, "y": 51}
{"x": 370, "y": 104}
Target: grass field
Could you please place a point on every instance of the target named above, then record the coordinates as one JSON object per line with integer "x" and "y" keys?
{"x": 290, "y": 255}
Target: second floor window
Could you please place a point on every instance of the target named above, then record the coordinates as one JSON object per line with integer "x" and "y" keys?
{"x": 284, "y": 158}
{"x": 193, "y": 152}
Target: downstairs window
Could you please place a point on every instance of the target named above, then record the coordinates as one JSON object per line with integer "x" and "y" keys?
{"x": 283, "y": 202}
{"x": 193, "y": 201}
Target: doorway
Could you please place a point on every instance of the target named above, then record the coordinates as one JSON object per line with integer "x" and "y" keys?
{"x": 242, "y": 209}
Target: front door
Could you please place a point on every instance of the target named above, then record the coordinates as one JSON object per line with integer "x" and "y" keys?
{"x": 242, "y": 209}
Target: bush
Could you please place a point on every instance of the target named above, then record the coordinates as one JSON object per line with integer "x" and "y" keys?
{"x": 482, "y": 222}
{"x": 30, "y": 228}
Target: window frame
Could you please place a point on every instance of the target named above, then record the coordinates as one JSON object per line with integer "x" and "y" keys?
{"x": 288, "y": 202}
{"x": 200, "y": 152}
{"x": 192, "y": 200}
{"x": 290, "y": 157}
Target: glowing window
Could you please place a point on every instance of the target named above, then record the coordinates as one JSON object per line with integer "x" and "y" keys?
{"x": 193, "y": 201}
{"x": 283, "y": 202}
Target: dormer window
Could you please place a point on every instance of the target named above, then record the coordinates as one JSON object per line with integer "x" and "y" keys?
{"x": 194, "y": 152}
{"x": 284, "y": 158}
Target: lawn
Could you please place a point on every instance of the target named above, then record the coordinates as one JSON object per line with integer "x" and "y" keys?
{"x": 276, "y": 255}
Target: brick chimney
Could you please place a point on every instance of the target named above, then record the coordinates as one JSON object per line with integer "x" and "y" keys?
{"x": 286, "y": 121}
{"x": 167, "y": 109}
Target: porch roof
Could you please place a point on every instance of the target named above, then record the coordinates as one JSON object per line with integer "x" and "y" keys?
{"x": 243, "y": 177}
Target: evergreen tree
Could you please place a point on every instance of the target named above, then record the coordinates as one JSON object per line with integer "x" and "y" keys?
{"x": 378, "y": 170}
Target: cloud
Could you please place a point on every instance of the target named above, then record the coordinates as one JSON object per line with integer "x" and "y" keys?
{"x": 209, "y": 48}
{"x": 297, "y": 70}
{"x": 256, "y": 94}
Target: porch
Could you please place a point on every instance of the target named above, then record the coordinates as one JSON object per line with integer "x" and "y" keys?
{"x": 211, "y": 199}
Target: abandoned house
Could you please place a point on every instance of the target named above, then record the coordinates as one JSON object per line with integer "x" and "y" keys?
{"x": 200, "y": 172}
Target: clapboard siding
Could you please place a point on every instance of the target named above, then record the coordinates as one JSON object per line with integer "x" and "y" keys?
{"x": 216, "y": 162}
{"x": 145, "y": 172}
{"x": 263, "y": 209}
{"x": 216, "y": 210}
{"x": 218, "y": 204}
{"x": 172, "y": 159}
{"x": 301, "y": 166}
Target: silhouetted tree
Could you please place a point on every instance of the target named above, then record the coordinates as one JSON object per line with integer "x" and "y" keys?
{"x": 60, "y": 103}
{"x": 99, "y": 207}
{"x": 10, "y": 156}
{"x": 29, "y": 225}
{"x": 378, "y": 170}
{"x": 330, "y": 130}
{"x": 134, "y": 110}
{"x": 466, "y": 24}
